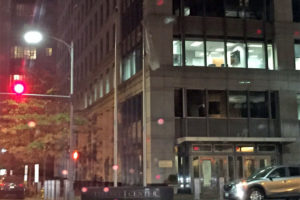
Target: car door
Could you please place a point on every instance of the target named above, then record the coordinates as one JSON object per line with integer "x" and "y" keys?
{"x": 276, "y": 185}
{"x": 294, "y": 181}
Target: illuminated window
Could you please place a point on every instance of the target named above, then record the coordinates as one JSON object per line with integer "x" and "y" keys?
{"x": 101, "y": 87}
{"x": 107, "y": 85}
{"x": 177, "y": 53}
{"x": 194, "y": 52}
{"x": 236, "y": 54}
{"x": 18, "y": 52}
{"x": 49, "y": 52}
{"x": 256, "y": 55}
{"x": 298, "y": 105}
{"x": 297, "y": 56}
{"x": 215, "y": 54}
{"x": 244, "y": 149}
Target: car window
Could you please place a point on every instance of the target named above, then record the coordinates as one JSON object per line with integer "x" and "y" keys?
{"x": 294, "y": 171}
{"x": 278, "y": 173}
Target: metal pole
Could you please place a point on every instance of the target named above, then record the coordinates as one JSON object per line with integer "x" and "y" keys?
{"x": 144, "y": 117}
{"x": 71, "y": 170}
{"x": 115, "y": 169}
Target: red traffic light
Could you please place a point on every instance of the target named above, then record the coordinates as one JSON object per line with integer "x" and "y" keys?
{"x": 75, "y": 155}
{"x": 18, "y": 87}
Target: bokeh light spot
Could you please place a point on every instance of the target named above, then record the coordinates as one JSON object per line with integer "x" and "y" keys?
{"x": 297, "y": 33}
{"x": 159, "y": 2}
{"x": 64, "y": 172}
{"x": 115, "y": 167}
{"x": 258, "y": 31}
{"x": 84, "y": 189}
{"x": 31, "y": 124}
{"x": 131, "y": 171}
{"x": 157, "y": 177}
{"x": 106, "y": 189}
{"x": 160, "y": 121}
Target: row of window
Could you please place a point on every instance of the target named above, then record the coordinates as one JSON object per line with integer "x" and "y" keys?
{"x": 132, "y": 63}
{"x": 253, "y": 9}
{"x": 222, "y": 104}
{"x": 99, "y": 88}
{"x": 230, "y": 148}
{"x": 212, "y": 53}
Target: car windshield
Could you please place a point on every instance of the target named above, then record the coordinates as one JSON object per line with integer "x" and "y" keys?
{"x": 260, "y": 173}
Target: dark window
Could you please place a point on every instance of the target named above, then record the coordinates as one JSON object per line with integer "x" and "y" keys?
{"x": 178, "y": 103}
{"x": 267, "y": 148}
{"x": 217, "y": 104}
{"x": 233, "y": 8}
{"x": 269, "y": 10}
{"x": 294, "y": 171}
{"x": 196, "y": 103}
{"x": 296, "y": 10}
{"x": 237, "y": 104}
{"x": 214, "y": 8}
{"x": 254, "y": 9}
{"x": 176, "y": 7}
{"x": 193, "y": 8}
{"x": 274, "y": 105}
{"x": 278, "y": 173}
{"x": 258, "y": 104}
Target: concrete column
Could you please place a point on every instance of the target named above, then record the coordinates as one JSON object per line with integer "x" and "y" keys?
{"x": 289, "y": 126}
{"x": 284, "y": 42}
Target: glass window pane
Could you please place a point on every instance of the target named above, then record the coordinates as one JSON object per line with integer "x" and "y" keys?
{"x": 254, "y": 9}
{"x": 236, "y": 54}
{"x": 196, "y": 103}
{"x": 294, "y": 171}
{"x": 297, "y": 56}
{"x": 214, "y": 8}
{"x": 256, "y": 55}
{"x": 270, "y": 57}
{"x": 126, "y": 68}
{"x": 176, "y": 7}
{"x": 215, "y": 54}
{"x": 296, "y": 10}
{"x": 298, "y": 104}
{"x": 217, "y": 104}
{"x": 193, "y": 8}
{"x": 177, "y": 53}
{"x": 233, "y": 8}
{"x": 274, "y": 105}
{"x": 178, "y": 103}
{"x": 194, "y": 53}
{"x": 237, "y": 104}
{"x": 258, "y": 104}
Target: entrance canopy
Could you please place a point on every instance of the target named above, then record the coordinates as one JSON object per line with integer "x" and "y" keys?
{"x": 236, "y": 139}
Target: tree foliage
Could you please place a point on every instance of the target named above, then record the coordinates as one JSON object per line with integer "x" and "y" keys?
{"x": 31, "y": 128}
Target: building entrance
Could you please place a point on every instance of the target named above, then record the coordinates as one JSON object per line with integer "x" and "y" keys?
{"x": 210, "y": 170}
{"x": 213, "y": 171}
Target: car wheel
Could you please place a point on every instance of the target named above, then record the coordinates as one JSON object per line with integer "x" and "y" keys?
{"x": 256, "y": 194}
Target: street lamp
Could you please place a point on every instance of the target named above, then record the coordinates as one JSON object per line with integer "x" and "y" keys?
{"x": 35, "y": 37}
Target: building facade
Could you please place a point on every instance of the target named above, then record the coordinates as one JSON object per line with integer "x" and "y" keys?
{"x": 214, "y": 83}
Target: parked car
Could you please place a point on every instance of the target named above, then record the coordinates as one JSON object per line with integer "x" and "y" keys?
{"x": 270, "y": 182}
{"x": 12, "y": 187}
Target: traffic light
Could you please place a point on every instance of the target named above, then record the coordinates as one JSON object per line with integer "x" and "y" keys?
{"x": 18, "y": 87}
{"x": 75, "y": 155}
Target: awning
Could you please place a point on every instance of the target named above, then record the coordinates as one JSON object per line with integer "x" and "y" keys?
{"x": 237, "y": 139}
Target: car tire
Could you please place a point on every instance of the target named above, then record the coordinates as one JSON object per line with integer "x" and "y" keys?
{"x": 256, "y": 194}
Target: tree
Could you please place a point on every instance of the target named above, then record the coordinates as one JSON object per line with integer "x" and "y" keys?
{"x": 33, "y": 127}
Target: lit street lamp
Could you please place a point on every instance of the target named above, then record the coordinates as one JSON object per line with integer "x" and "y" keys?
{"x": 35, "y": 37}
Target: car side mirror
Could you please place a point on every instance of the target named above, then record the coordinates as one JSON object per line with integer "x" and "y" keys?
{"x": 271, "y": 179}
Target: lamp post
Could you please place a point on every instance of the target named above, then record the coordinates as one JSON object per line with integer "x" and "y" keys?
{"x": 35, "y": 37}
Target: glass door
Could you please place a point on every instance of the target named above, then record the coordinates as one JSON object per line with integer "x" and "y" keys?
{"x": 253, "y": 163}
{"x": 210, "y": 170}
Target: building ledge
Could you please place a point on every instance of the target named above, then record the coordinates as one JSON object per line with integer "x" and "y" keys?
{"x": 236, "y": 139}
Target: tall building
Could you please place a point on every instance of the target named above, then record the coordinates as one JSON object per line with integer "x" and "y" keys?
{"x": 216, "y": 83}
